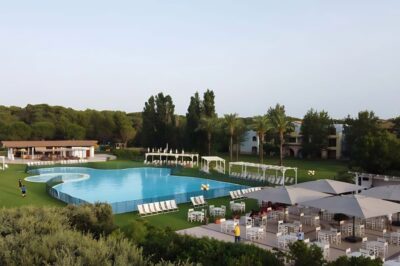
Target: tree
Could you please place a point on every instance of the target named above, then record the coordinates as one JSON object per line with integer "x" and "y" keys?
{"x": 281, "y": 124}
{"x": 193, "y": 116}
{"x": 74, "y": 131}
{"x": 231, "y": 123}
{"x": 241, "y": 129}
{"x": 125, "y": 130}
{"x": 303, "y": 255}
{"x": 370, "y": 146}
{"x": 209, "y": 125}
{"x": 396, "y": 126}
{"x": 261, "y": 125}
{"x": 209, "y": 104}
{"x": 43, "y": 130}
{"x": 18, "y": 131}
{"x": 159, "y": 121}
{"x": 315, "y": 128}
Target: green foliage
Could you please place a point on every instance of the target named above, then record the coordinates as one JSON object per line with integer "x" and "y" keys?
{"x": 159, "y": 122}
{"x": 18, "y": 131}
{"x": 43, "y": 130}
{"x": 281, "y": 124}
{"x": 209, "y": 104}
{"x": 370, "y": 146}
{"x": 355, "y": 261}
{"x": 55, "y": 122}
{"x": 315, "y": 128}
{"x": 261, "y": 125}
{"x": 303, "y": 255}
{"x": 40, "y": 236}
{"x": 129, "y": 154}
{"x": 193, "y": 116}
{"x": 231, "y": 121}
{"x": 209, "y": 125}
{"x": 167, "y": 245}
{"x": 96, "y": 219}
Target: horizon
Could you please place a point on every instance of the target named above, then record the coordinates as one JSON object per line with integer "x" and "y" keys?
{"x": 339, "y": 57}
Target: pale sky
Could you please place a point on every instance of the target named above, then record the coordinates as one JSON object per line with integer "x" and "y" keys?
{"x": 342, "y": 56}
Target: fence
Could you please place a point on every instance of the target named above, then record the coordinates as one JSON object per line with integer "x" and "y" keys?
{"x": 130, "y": 206}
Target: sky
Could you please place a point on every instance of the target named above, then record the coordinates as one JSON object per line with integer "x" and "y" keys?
{"x": 340, "y": 56}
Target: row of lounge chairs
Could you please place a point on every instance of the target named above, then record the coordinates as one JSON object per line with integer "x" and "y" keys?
{"x": 270, "y": 179}
{"x": 240, "y": 193}
{"x": 170, "y": 162}
{"x": 154, "y": 208}
{"x": 57, "y": 162}
{"x": 198, "y": 201}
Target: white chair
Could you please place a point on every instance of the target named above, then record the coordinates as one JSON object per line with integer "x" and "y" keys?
{"x": 157, "y": 207}
{"x": 147, "y": 209}
{"x": 152, "y": 208}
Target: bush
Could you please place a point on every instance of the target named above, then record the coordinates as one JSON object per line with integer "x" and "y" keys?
{"x": 97, "y": 219}
{"x": 129, "y": 154}
{"x": 43, "y": 236}
{"x": 163, "y": 244}
{"x": 303, "y": 255}
{"x": 356, "y": 261}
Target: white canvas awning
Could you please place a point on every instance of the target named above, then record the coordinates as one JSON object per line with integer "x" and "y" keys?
{"x": 355, "y": 205}
{"x": 384, "y": 192}
{"x": 286, "y": 195}
{"x": 330, "y": 186}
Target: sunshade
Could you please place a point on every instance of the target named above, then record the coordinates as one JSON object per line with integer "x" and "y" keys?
{"x": 286, "y": 195}
{"x": 330, "y": 186}
{"x": 355, "y": 205}
{"x": 384, "y": 192}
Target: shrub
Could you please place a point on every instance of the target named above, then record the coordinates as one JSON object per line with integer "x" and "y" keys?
{"x": 303, "y": 255}
{"x": 95, "y": 218}
{"x": 129, "y": 154}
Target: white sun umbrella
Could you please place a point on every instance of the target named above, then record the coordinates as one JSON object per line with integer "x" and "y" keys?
{"x": 286, "y": 195}
{"x": 384, "y": 192}
{"x": 355, "y": 205}
{"x": 330, "y": 186}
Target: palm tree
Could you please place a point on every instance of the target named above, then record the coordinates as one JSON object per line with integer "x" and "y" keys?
{"x": 209, "y": 125}
{"x": 281, "y": 125}
{"x": 231, "y": 123}
{"x": 240, "y": 131}
{"x": 261, "y": 125}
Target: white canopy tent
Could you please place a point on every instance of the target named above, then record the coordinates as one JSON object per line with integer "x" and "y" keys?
{"x": 330, "y": 186}
{"x": 194, "y": 157}
{"x": 286, "y": 195}
{"x": 355, "y": 205}
{"x": 206, "y": 160}
{"x": 263, "y": 168}
{"x": 384, "y": 192}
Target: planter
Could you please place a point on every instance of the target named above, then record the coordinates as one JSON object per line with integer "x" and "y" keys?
{"x": 218, "y": 221}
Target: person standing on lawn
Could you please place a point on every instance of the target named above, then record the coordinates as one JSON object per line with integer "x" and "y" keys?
{"x": 237, "y": 233}
{"x": 23, "y": 190}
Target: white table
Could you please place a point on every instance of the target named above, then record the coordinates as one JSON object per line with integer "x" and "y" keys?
{"x": 228, "y": 226}
{"x": 199, "y": 215}
{"x": 395, "y": 238}
{"x": 217, "y": 211}
{"x": 329, "y": 236}
{"x": 238, "y": 207}
{"x": 287, "y": 228}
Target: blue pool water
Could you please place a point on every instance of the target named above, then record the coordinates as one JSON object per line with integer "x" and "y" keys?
{"x": 126, "y": 188}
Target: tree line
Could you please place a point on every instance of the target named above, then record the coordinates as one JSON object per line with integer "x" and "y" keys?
{"x": 370, "y": 143}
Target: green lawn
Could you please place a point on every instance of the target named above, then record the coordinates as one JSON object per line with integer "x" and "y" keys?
{"x": 10, "y": 195}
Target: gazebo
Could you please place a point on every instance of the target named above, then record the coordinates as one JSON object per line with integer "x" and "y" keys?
{"x": 176, "y": 156}
{"x": 263, "y": 168}
{"x": 206, "y": 160}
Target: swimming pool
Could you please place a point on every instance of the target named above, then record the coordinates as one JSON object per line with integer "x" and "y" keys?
{"x": 126, "y": 188}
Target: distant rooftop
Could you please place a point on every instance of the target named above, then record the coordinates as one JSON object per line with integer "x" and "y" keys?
{"x": 49, "y": 143}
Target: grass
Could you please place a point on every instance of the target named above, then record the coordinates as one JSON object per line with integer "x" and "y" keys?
{"x": 178, "y": 220}
{"x": 10, "y": 195}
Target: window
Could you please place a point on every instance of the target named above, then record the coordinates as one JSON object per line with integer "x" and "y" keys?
{"x": 254, "y": 138}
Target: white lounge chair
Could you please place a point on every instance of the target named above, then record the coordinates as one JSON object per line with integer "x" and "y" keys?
{"x": 141, "y": 210}
{"x": 157, "y": 207}
{"x": 147, "y": 209}
{"x": 173, "y": 205}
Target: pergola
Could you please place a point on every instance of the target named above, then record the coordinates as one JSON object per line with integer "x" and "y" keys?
{"x": 3, "y": 162}
{"x": 206, "y": 160}
{"x": 264, "y": 168}
{"x": 176, "y": 156}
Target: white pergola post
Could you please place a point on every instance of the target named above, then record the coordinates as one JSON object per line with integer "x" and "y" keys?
{"x": 3, "y": 163}
{"x": 295, "y": 172}
{"x": 283, "y": 173}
